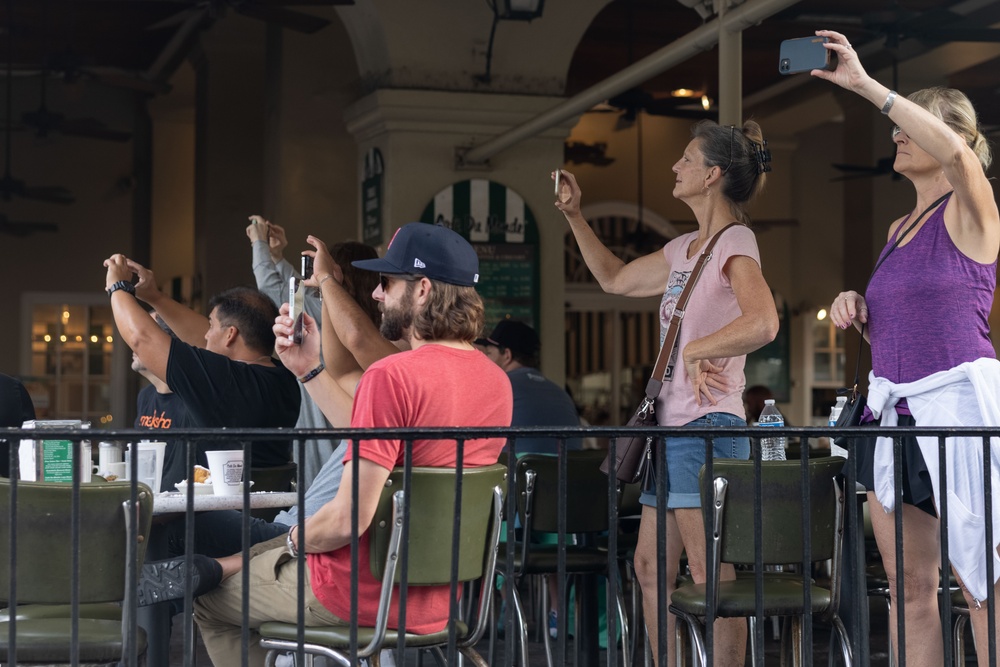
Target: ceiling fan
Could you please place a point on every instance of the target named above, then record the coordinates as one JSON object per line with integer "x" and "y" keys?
{"x": 22, "y": 229}
{"x": 10, "y": 187}
{"x": 271, "y": 11}
{"x": 45, "y": 121}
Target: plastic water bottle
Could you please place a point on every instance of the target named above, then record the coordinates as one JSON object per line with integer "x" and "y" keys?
{"x": 836, "y": 450}
{"x": 772, "y": 448}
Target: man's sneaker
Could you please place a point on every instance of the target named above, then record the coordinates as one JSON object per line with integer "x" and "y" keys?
{"x": 163, "y": 580}
{"x": 553, "y": 624}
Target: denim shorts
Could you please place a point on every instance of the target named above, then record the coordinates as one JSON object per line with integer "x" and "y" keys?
{"x": 686, "y": 456}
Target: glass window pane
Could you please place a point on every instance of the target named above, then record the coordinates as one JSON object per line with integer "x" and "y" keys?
{"x": 822, "y": 362}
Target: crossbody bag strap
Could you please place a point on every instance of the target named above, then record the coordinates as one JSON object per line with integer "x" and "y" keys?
{"x": 673, "y": 329}
{"x": 861, "y": 343}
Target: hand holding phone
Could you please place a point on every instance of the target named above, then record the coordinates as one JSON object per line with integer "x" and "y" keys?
{"x": 804, "y": 55}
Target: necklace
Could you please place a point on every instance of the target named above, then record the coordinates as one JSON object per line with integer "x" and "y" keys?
{"x": 263, "y": 357}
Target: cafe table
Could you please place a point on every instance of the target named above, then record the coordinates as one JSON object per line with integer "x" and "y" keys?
{"x": 175, "y": 502}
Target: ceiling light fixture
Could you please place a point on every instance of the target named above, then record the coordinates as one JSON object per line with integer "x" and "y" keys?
{"x": 682, "y": 92}
{"x": 509, "y": 10}
{"x": 706, "y": 102}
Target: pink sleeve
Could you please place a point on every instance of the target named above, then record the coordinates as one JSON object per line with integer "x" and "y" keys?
{"x": 377, "y": 404}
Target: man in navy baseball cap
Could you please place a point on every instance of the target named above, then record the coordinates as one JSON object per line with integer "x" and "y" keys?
{"x": 433, "y": 251}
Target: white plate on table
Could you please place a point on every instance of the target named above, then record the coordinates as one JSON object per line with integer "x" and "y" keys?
{"x": 199, "y": 487}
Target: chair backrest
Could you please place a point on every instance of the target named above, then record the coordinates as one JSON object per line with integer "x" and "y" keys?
{"x": 276, "y": 478}
{"x": 432, "y": 508}
{"x": 586, "y": 498}
{"x": 44, "y": 548}
{"x": 782, "y": 506}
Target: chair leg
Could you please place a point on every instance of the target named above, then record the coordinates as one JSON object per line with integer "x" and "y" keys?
{"x": 544, "y": 618}
{"x": 752, "y": 627}
{"x": 473, "y": 656}
{"x": 623, "y": 620}
{"x": 845, "y": 645}
{"x": 699, "y": 654}
{"x": 522, "y": 628}
{"x": 958, "y": 641}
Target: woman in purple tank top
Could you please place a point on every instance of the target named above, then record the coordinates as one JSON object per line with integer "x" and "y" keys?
{"x": 926, "y": 313}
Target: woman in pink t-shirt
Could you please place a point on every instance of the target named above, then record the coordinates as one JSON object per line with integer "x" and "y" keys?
{"x": 730, "y": 313}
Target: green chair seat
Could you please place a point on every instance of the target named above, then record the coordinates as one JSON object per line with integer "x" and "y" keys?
{"x": 339, "y": 636}
{"x": 544, "y": 559}
{"x": 48, "y": 640}
{"x": 782, "y": 597}
{"x": 108, "y": 611}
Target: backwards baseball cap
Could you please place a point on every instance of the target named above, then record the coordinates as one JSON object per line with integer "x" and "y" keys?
{"x": 418, "y": 248}
{"x": 515, "y": 336}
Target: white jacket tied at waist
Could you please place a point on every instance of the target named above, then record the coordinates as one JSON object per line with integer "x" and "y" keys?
{"x": 967, "y": 395}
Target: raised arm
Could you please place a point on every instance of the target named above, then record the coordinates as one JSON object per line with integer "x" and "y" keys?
{"x": 186, "y": 324}
{"x": 139, "y": 331}
{"x": 645, "y": 276}
{"x": 978, "y": 221}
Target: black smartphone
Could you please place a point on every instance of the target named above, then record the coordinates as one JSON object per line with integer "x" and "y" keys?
{"x": 296, "y": 304}
{"x": 307, "y": 267}
{"x": 804, "y": 55}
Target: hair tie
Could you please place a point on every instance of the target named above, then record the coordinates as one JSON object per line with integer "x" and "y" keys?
{"x": 762, "y": 156}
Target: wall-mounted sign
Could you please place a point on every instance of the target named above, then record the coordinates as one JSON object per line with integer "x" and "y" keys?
{"x": 503, "y": 231}
{"x": 371, "y": 198}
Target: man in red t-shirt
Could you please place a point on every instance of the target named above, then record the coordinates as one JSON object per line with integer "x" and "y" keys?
{"x": 427, "y": 296}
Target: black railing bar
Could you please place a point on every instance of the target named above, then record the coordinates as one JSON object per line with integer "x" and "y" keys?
{"x": 130, "y": 602}
{"x": 661, "y": 553}
{"x": 189, "y": 525}
{"x": 300, "y": 559}
{"x": 74, "y": 543}
{"x": 244, "y": 551}
{"x": 404, "y": 547}
{"x": 611, "y": 590}
{"x": 12, "y": 559}
{"x": 758, "y": 557}
{"x": 353, "y": 633}
{"x": 451, "y": 433}
{"x": 562, "y": 464}
{"x": 710, "y": 583}
{"x": 897, "y": 458}
{"x": 945, "y": 559}
{"x": 859, "y": 596}
{"x": 456, "y": 548}
{"x": 509, "y": 581}
{"x": 991, "y": 612}
{"x": 807, "y": 555}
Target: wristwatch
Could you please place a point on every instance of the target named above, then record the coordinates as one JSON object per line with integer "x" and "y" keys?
{"x": 123, "y": 285}
{"x": 291, "y": 544}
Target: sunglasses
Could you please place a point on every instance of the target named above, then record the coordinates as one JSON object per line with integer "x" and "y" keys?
{"x": 896, "y": 129}
{"x": 384, "y": 279}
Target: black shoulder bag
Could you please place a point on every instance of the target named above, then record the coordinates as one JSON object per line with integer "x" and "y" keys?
{"x": 856, "y": 401}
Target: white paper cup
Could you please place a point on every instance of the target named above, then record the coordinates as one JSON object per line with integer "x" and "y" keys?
{"x": 150, "y": 464}
{"x": 226, "y": 466}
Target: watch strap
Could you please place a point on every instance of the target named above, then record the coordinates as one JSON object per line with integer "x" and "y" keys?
{"x": 122, "y": 285}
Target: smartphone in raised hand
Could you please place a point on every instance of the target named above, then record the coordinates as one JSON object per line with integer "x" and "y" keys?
{"x": 805, "y": 54}
{"x": 558, "y": 180}
{"x": 296, "y": 305}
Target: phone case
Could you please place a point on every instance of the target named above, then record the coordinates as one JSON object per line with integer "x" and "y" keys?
{"x": 804, "y": 54}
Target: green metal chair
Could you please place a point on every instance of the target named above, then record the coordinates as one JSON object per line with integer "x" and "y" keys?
{"x": 428, "y": 562}
{"x": 728, "y": 502}
{"x": 586, "y": 504}
{"x": 44, "y": 571}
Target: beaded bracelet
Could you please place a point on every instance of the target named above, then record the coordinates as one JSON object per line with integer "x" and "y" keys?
{"x": 313, "y": 373}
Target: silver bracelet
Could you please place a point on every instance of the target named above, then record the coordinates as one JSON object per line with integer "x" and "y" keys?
{"x": 889, "y": 99}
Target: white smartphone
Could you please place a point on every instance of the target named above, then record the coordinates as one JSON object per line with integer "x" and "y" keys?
{"x": 558, "y": 180}
{"x": 296, "y": 303}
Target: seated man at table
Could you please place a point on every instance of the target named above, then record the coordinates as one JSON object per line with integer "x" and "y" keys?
{"x": 219, "y": 366}
{"x": 438, "y": 311}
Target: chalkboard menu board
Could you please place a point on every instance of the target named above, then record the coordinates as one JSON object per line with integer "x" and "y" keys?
{"x": 502, "y": 229}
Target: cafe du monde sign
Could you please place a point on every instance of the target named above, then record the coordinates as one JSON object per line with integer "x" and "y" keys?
{"x": 502, "y": 229}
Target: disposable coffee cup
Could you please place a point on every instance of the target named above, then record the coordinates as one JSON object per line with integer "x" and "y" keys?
{"x": 226, "y": 466}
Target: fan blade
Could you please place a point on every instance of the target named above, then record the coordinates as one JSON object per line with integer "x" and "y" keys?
{"x": 91, "y": 128}
{"x": 22, "y": 229}
{"x": 304, "y": 23}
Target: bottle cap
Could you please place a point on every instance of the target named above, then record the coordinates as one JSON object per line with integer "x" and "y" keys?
{"x": 769, "y": 401}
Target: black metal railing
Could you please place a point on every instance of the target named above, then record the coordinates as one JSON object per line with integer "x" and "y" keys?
{"x": 855, "y": 605}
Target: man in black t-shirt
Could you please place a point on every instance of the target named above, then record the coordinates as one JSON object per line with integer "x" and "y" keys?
{"x": 221, "y": 366}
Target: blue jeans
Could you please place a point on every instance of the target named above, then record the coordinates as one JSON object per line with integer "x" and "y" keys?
{"x": 686, "y": 456}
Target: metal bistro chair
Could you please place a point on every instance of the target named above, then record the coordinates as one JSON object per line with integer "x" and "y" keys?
{"x": 428, "y": 562}
{"x": 728, "y": 502}
{"x": 45, "y": 576}
{"x": 586, "y": 504}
